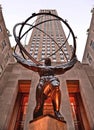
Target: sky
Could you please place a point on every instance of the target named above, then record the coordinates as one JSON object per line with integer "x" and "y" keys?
{"x": 77, "y": 12}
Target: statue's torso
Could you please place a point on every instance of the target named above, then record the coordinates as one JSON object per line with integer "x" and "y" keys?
{"x": 46, "y": 72}
{"x": 47, "y": 75}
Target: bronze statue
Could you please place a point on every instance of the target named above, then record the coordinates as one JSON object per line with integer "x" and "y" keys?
{"x": 48, "y": 83}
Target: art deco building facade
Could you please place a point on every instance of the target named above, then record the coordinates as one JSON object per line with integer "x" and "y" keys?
{"x": 88, "y": 56}
{"x": 41, "y": 45}
{"x": 18, "y": 85}
{"x": 5, "y": 49}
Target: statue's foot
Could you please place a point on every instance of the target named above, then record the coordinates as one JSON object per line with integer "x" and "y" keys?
{"x": 59, "y": 116}
{"x": 38, "y": 111}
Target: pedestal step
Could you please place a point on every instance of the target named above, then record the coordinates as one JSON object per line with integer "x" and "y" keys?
{"x": 47, "y": 123}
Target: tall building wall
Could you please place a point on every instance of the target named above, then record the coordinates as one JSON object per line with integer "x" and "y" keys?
{"x": 41, "y": 45}
{"x": 88, "y": 56}
{"x": 5, "y": 48}
{"x": 18, "y": 89}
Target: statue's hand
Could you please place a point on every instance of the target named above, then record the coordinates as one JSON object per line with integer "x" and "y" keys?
{"x": 18, "y": 58}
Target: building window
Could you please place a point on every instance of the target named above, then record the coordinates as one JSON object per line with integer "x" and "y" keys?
{"x": 31, "y": 49}
{"x": 35, "y": 56}
{"x": 62, "y": 58}
{"x": 89, "y": 58}
{"x": 6, "y": 58}
{"x": 30, "y": 52}
{"x": 43, "y": 52}
{"x": 43, "y": 56}
{"x": 1, "y": 69}
{"x": 53, "y": 45}
{"x": 36, "y": 52}
{"x": 37, "y": 44}
{"x": 48, "y": 52}
{"x": 92, "y": 44}
{"x": 3, "y": 44}
{"x": 20, "y": 108}
{"x": 54, "y": 60}
{"x": 0, "y": 29}
{"x": 43, "y": 45}
{"x": 48, "y": 49}
{"x": 48, "y": 45}
{"x": 65, "y": 49}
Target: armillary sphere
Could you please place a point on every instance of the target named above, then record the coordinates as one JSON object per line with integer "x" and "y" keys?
{"x": 21, "y": 30}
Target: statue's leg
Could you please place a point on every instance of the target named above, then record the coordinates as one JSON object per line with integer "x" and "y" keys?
{"x": 38, "y": 109}
{"x": 56, "y": 100}
{"x": 42, "y": 92}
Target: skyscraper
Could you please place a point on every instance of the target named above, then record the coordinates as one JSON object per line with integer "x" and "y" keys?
{"x": 18, "y": 84}
{"x": 43, "y": 45}
{"x": 88, "y": 56}
{"x": 5, "y": 48}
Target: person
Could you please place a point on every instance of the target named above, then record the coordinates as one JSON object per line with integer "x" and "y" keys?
{"x": 48, "y": 84}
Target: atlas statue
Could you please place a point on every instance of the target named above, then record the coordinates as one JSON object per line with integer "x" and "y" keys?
{"x": 48, "y": 85}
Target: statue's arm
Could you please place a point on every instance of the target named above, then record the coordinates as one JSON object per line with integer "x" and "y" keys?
{"x": 65, "y": 67}
{"x": 26, "y": 63}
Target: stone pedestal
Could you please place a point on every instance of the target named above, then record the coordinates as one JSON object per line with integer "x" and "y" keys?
{"x": 47, "y": 123}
